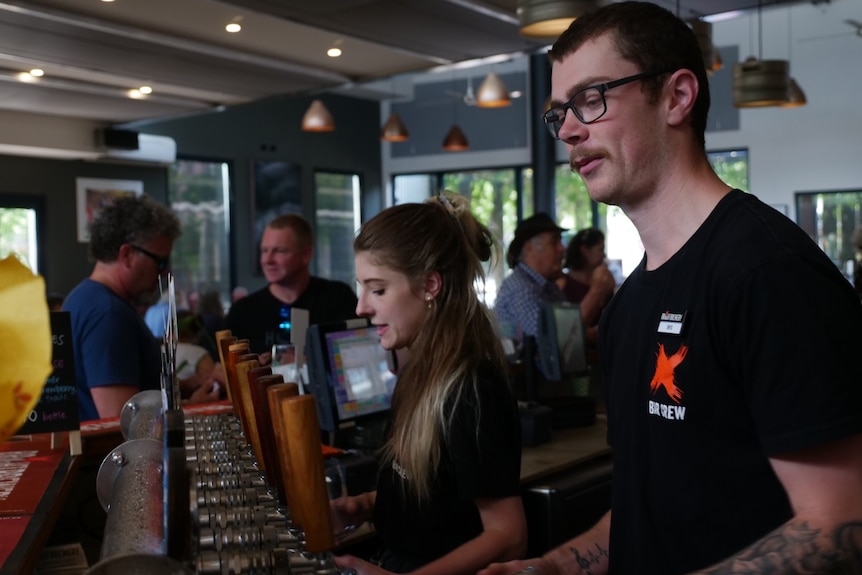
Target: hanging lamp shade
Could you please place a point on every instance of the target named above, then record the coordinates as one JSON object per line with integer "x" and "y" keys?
{"x": 703, "y": 32}
{"x": 393, "y": 130}
{"x": 317, "y": 118}
{"x": 492, "y": 93}
{"x": 795, "y": 95}
{"x": 717, "y": 62}
{"x": 758, "y": 83}
{"x": 455, "y": 140}
{"x": 550, "y": 18}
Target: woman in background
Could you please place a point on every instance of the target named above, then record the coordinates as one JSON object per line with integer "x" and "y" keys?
{"x": 587, "y": 280}
{"x": 448, "y": 494}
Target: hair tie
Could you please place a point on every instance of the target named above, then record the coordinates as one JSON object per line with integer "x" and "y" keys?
{"x": 447, "y": 203}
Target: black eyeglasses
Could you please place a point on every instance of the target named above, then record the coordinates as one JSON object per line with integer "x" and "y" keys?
{"x": 161, "y": 263}
{"x": 588, "y": 104}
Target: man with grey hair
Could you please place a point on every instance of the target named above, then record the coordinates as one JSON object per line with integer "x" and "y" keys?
{"x": 116, "y": 356}
{"x": 536, "y": 258}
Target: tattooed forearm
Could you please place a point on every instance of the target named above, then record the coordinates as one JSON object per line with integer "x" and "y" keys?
{"x": 592, "y": 558}
{"x": 796, "y": 549}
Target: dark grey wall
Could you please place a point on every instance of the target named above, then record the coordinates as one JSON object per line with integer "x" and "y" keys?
{"x": 270, "y": 130}
{"x": 53, "y": 183}
{"x": 723, "y": 116}
{"x": 436, "y": 106}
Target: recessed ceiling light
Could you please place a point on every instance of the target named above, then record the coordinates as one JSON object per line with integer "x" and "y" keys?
{"x": 135, "y": 94}
{"x": 27, "y": 77}
{"x": 233, "y": 27}
{"x": 107, "y": 0}
{"x": 333, "y": 52}
{"x": 37, "y": 72}
{"x": 145, "y": 90}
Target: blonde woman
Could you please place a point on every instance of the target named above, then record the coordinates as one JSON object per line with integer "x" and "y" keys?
{"x": 448, "y": 495}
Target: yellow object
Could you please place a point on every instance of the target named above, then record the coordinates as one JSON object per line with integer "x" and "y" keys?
{"x": 25, "y": 343}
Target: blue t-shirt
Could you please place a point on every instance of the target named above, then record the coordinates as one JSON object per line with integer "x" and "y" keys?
{"x": 112, "y": 344}
{"x": 520, "y": 300}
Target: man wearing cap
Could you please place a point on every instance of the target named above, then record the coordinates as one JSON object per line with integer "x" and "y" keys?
{"x": 536, "y": 258}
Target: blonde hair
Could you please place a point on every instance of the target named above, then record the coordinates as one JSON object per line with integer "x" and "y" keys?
{"x": 440, "y": 235}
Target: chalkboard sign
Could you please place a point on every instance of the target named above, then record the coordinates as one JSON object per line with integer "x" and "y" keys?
{"x": 57, "y": 409}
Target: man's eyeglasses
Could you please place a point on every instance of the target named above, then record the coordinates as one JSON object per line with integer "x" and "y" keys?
{"x": 588, "y": 104}
{"x": 161, "y": 262}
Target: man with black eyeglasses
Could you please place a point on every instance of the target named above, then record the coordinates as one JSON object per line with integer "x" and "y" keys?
{"x": 116, "y": 355}
{"x": 264, "y": 316}
{"x": 729, "y": 356}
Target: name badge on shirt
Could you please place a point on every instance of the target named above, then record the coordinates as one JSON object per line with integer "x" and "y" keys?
{"x": 671, "y": 323}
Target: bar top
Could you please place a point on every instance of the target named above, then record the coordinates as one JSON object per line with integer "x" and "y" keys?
{"x": 567, "y": 448}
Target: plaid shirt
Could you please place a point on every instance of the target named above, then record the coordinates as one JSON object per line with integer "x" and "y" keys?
{"x": 520, "y": 297}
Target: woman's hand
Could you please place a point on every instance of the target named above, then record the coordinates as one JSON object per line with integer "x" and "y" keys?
{"x": 348, "y": 564}
{"x": 351, "y": 511}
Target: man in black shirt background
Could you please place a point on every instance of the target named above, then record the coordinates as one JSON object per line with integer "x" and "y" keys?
{"x": 263, "y": 317}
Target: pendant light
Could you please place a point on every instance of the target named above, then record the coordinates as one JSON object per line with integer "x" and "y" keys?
{"x": 550, "y": 18}
{"x": 317, "y": 118}
{"x": 795, "y": 95}
{"x": 455, "y": 140}
{"x": 394, "y": 130}
{"x": 703, "y": 32}
{"x": 758, "y": 82}
{"x": 492, "y": 93}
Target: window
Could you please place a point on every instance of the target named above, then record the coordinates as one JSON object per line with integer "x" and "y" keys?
{"x": 199, "y": 194}
{"x": 731, "y": 166}
{"x": 572, "y": 203}
{"x": 498, "y": 199}
{"x": 830, "y": 219}
{"x": 495, "y": 199}
{"x": 337, "y": 218}
{"x": 21, "y": 225}
{"x": 412, "y": 188}
{"x": 576, "y": 210}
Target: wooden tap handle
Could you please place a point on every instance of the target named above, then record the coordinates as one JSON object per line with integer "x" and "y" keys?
{"x": 223, "y": 340}
{"x": 306, "y": 468}
{"x": 245, "y": 405}
{"x": 273, "y": 389}
{"x": 276, "y": 394}
{"x": 259, "y": 378}
{"x": 235, "y": 350}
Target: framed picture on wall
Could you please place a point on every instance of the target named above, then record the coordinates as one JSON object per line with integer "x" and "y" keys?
{"x": 276, "y": 190}
{"x": 94, "y": 194}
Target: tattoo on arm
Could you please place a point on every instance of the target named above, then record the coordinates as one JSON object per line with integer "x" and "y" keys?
{"x": 795, "y": 548}
{"x": 591, "y": 558}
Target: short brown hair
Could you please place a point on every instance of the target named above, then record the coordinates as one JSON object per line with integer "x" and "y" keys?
{"x": 652, "y": 38}
{"x": 300, "y": 226}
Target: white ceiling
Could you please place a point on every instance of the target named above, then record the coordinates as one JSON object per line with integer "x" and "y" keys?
{"x": 93, "y": 52}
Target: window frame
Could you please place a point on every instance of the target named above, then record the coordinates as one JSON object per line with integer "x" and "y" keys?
{"x": 37, "y": 203}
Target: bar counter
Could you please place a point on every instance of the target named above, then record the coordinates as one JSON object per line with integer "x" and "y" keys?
{"x": 42, "y": 485}
{"x": 567, "y": 449}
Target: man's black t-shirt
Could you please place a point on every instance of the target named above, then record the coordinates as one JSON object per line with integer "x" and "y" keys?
{"x": 741, "y": 347}
{"x": 257, "y": 316}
